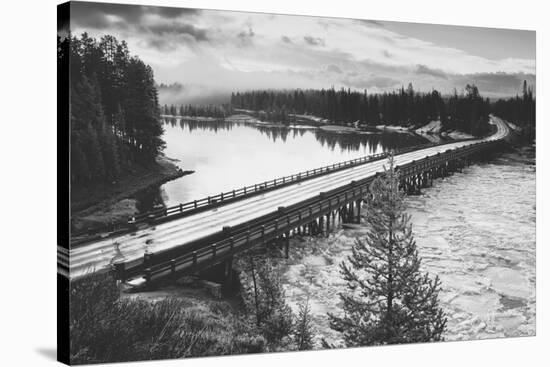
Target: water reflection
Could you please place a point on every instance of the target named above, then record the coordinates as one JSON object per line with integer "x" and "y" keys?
{"x": 229, "y": 155}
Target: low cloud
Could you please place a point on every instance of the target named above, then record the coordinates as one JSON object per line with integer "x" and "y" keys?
{"x": 497, "y": 84}
{"x": 100, "y": 15}
{"x": 370, "y": 23}
{"x": 379, "y": 83}
{"x": 174, "y": 28}
{"x": 286, "y": 39}
{"x": 334, "y": 69}
{"x": 423, "y": 69}
{"x": 245, "y": 37}
{"x": 314, "y": 41}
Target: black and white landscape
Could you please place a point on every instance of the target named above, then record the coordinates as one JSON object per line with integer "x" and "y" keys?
{"x": 248, "y": 183}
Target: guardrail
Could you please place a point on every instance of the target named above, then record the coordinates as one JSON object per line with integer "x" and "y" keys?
{"x": 239, "y": 238}
{"x": 210, "y": 202}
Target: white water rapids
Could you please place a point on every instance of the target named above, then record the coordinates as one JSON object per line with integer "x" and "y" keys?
{"x": 475, "y": 229}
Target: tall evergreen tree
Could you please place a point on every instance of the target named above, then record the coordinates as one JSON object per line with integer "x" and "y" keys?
{"x": 264, "y": 298}
{"x": 388, "y": 299}
{"x": 303, "y": 335}
{"x": 115, "y": 118}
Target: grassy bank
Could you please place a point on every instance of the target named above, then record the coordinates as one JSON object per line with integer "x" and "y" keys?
{"x": 93, "y": 207}
{"x": 180, "y": 318}
{"x": 106, "y": 327}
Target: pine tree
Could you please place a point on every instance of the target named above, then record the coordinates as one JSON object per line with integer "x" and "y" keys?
{"x": 388, "y": 300}
{"x": 303, "y": 335}
{"x": 264, "y": 297}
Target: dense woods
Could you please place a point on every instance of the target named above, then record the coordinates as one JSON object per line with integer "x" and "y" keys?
{"x": 115, "y": 116}
{"x": 217, "y": 111}
{"x": 467, "y": 111}
{"x": 405, "y": 107}
{"x": 521, "y": 110}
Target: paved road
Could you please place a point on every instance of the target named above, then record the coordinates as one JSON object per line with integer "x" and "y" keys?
{"x": 128, "y": 247}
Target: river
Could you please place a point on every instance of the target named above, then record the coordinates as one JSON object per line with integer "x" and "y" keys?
{"x": 230, "y": 155}
{"x": 475, "y": 229}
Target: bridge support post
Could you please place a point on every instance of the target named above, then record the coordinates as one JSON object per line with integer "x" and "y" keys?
{"x": 120, "y": 271}
{"x": 358, "y": 211}
{"x": 287, "y": 244}
{"x": 148, "y": 278}
{"x": 228, "y": 273}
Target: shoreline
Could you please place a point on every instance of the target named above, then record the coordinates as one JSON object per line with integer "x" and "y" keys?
{"x": 431, "y": 132}
{"x": 105, "y": 204}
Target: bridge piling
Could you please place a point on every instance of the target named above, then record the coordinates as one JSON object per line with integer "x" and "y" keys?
{"x": 228, "y": 273}
{"x": 119, "y": 270}
{"x": 287, "y": 244}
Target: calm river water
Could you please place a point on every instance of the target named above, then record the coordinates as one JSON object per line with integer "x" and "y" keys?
{"x": 230, "y": 155}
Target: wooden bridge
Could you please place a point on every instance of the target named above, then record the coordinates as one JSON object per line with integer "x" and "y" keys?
{"x": 191, "y": 237}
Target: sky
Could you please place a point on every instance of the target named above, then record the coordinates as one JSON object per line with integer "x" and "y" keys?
{"x": 212, "y": 53}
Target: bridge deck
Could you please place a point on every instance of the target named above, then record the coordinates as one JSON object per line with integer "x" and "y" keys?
{"x": 178, "y": 232}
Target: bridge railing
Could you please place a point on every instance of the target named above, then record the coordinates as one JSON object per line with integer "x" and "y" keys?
{"x": 248, "y": 236}
{"x": 239, "y": 193}
{"x": 184, "y": 209}
{"x": 275, "y": 224}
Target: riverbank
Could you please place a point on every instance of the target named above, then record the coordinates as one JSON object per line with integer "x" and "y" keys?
{"x": 101, "y": 205}
{"x": 432, "y": 131}
{"x": 168, "y": 323}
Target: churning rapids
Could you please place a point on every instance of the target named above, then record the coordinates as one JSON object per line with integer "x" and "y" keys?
{"x": 475, "y": 229}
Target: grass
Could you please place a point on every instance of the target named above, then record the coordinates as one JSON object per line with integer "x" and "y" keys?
{"x": 96, "y": 206}
{"x": 107, "y": 328}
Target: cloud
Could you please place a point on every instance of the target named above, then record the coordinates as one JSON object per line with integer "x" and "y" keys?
{"x": 176, "y": 28}
{"x": 286, "y": 39}
{"x": 381, "y": 82}
{"x": 245, "y": 37}
{"x": 368, "y": 22}
{"x": 496, "y": 84}
{"x": 334, "y": 69}
{"x": 221, "y": 50}
{"x": 423, "y": 69}
{"x": 100, "y": 15}
{"x": 314, "y": 41}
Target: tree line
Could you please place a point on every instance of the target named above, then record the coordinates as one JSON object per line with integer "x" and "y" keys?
{"x": 467, "y": 111}
{"x": 115, "y": 116}
{"x": 521, "y": 110}
{"x": 217, "y": 111}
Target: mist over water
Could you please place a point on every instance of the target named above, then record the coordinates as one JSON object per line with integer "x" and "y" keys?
{"x": 475, "y": 229}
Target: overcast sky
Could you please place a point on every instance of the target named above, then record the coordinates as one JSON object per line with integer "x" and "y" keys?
{"x": 213, "y": 52}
